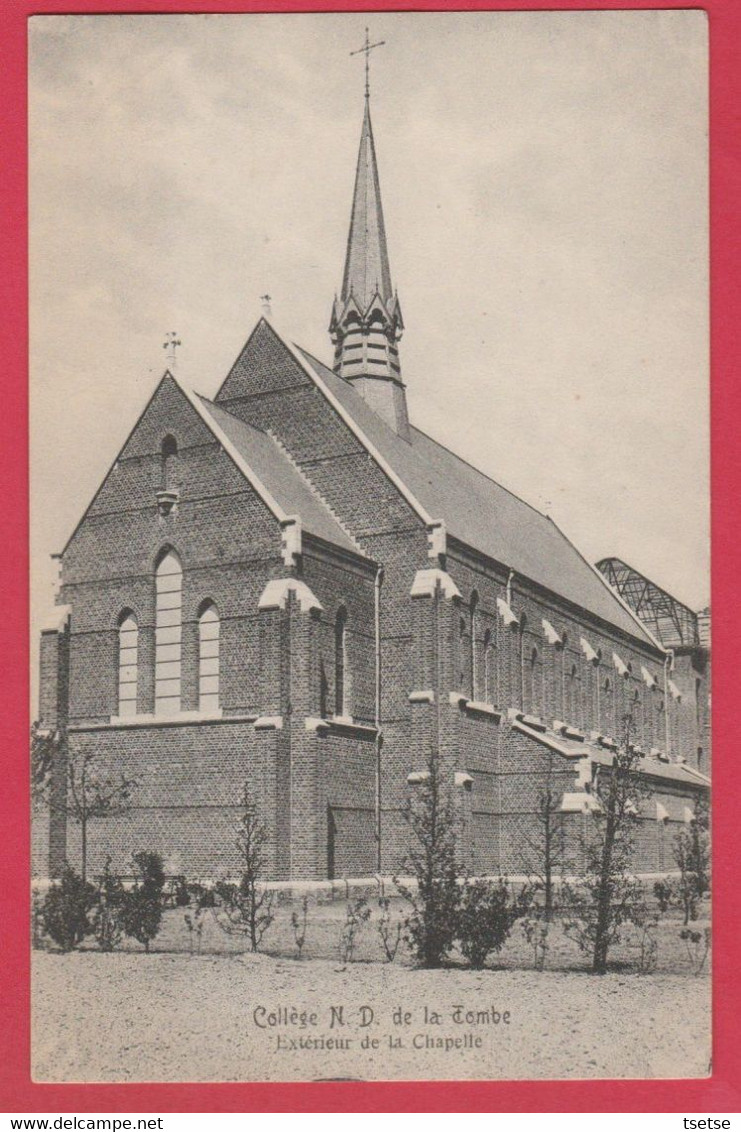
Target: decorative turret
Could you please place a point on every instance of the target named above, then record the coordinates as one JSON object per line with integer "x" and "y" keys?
{"x": 366, "y": 322}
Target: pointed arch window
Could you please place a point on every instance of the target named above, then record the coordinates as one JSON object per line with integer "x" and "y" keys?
{"x": 472, "y": 660}
{"x": 128, "y": 663}
{"x": 209, "y": 630}
{"x": 490, "y": 670}
{"x": 522, "y": 661}
{"x": 608, "y": 708}
{"x": 168, "y": 635}
{"x": 593, "y": 696}
{"x": 462, "y": 654}
{"x": 534, "y": 684}
{"x": 340, "y": 663}
{"x": 561, "y": 661}
{"x": 573, "y": 695}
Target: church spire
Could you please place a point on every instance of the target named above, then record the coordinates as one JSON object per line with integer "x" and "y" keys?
{"x": 366, "y": 322}
{"x": 367, "y": 261}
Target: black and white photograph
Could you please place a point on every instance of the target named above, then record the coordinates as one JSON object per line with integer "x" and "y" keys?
{"x": 370, "y": 583}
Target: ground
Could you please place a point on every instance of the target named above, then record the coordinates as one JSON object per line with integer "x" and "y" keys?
{"x": 228, "y": 1015}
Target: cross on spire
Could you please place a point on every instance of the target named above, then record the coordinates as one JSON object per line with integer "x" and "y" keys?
{"x": 366, "y": 50}
{"x": 171, "y": 344}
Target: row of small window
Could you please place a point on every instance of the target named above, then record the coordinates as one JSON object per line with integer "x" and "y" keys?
{"x": 168, "y": 648}
{"x": 588, "y": 702}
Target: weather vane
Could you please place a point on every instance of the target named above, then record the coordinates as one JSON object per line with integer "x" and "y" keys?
{"x": 366, "y": 50}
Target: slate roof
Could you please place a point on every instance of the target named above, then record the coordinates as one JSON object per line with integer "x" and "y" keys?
{"x": 281, "y": 477}
{"x": 482, "y": 514}
{"x": 367, "y": 261}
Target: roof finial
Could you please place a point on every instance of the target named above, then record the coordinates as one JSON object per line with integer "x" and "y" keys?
{"x": 267, "y": 310}
{"x": 171, "y": 344}
{"x": 366, "y": 50}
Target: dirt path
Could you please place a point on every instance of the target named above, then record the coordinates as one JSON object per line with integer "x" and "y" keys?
{"x": 165, "y": 1017}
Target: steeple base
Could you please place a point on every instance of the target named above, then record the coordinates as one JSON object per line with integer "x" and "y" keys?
{"x": 386, "y": 397}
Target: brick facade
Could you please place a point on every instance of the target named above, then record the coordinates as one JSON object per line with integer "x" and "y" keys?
{"x": 452, "y": 672}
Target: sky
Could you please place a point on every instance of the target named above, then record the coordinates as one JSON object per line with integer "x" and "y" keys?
{"x": 544, "y": 181}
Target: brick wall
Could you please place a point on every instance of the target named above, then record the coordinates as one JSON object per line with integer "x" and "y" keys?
{"x": 532, "y": 674}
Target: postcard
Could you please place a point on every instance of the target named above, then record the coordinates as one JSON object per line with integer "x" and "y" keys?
{"x": 370, "y": 546}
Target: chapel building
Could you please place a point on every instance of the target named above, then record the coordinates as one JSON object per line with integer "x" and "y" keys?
{"x": 290, "y": 585}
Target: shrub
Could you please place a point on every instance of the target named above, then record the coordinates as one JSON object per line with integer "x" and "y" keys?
{"x": 536, "y": 930}
{"x": 388, "y": 930}
{"x": 356, "y": 915}
{"x": 697, "y": 946}
{"x": 37, "y": 920}
{"x": 665, "y": 895}
{"x": 108, "y": 915}
{"x": 202, "y": 896}
{"x": 692, "y": 855}
{"x": 298, "y": 923}
{"x": 66, "y": 909}
{"x": 485, "y": 919}
{"x": 142, "y": 908}
{"x": 180, "y": 892}
{"x": 645, "y": 924}
{"x": 194, "y": 923}
{"x": 150, "y": 871}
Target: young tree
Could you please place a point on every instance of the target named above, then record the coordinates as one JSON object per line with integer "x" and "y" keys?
{"x": 543, "y": 847}
{"x": 94, "y": 793}
{"x": 90, "y": 792}
{"x": 609, "y": 896}
{"x": 431, "y": 926}
{"x": 247, "y": 907}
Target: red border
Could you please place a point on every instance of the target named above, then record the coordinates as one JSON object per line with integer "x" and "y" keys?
{"x": 721, "y": 1092}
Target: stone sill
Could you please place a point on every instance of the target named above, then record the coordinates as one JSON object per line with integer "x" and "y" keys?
{"x": 269, "y": 723}
{"x": 427, "y": 696}
{"x": 473, "y": 707}
{"x": 603, "y": 741}
{"x": 568, "y": 731}
{"x": 480, "y": 707}
{"x": 344, "y": 725}
{"x": 533, "y": 722}
{"x": 340, "y": 725}
{"x": 184, "y": 719}
{"x": 151, "y": 717}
